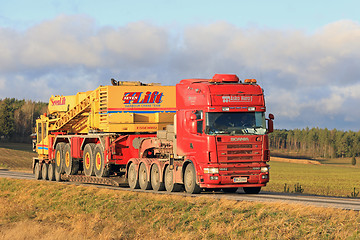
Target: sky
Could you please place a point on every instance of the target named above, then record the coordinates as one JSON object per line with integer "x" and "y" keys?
{"x": 305, "y": 54}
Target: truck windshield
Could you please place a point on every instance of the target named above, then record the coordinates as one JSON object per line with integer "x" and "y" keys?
{"x": 233, "y": 123}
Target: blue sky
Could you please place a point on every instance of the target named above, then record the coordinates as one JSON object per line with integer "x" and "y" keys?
{"x": 305, "y": 54}
{"x": 307, "y": 15}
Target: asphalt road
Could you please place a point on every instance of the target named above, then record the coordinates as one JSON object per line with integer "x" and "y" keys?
{"x": 310, "y": 200}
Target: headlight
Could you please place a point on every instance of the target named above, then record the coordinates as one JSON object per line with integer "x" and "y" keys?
{"x": 211, "y": 170}
{"x": 264, "y": 169}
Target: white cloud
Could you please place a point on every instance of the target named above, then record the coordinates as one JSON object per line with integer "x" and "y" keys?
{"x": 303, "y": 75}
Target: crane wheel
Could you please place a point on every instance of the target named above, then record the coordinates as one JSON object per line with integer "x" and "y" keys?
{"x": 88, "y": 159}
{"x": 71, "y": 165}
{"x": 100, "y": 168}
{"x": 59, "y": 157}
{"x": 37, "y": 171}
{"x": 51, "y": 172}
{"x": 44, "y": 171}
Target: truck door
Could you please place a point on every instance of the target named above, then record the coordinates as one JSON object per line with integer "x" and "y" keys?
{"x": 42, "y": 140}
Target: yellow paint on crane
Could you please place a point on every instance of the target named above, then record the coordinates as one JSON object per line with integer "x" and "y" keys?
{"x": 124, "y": 108}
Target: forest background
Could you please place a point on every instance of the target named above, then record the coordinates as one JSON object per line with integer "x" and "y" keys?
{"x": 17, "y": 120}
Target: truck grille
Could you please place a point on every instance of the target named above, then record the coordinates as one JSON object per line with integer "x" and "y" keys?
{"x": 239, "y": 153}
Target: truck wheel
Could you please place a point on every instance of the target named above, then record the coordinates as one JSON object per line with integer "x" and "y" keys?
{"x": 252, "y": 190}
{"x": 71, "y": 165}
{"x": 132, "y": 177}
{"x": 229, "y": 190}
{"x": 170, "y": 186}
{"x": 44, "y": 171}
{"x": 37, "y": 171}
{"x": 59, "y": 157}
{"x": 190, "y": 180}
{"x": 100, "y": 169}
{"x": 51, "y": 172}
{"x": 143, "y": 179}
{"x": 88, "y": 159}
{"x": 155, "y": 179}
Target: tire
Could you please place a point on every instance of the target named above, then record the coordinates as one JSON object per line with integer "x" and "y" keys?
{"x": 170, "y": 186}
{"x": 37, "y": 171}
{"x": 88, "y": 159}
{"x": 229, "y": 190}
{"x": 252, "y": 190}
{"x": 155, "y": 179}
{"x": 57, "y": 176}
{"x": 44, "y": 171}
{"x": 51, "y": 172}
{"x": 71, "y": 165}
{"x": 59, "y": 158}
{"x": 132, "y": 177}
{"x": 101, "y": 170}
{"x": 190, "y": 180}
{"x": 143, "y": 179}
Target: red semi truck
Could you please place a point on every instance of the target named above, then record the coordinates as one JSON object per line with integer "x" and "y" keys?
{"x": 199, "y": 134}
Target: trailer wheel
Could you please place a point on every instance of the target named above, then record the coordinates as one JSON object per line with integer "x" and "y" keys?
{"x": 143, "y": 179}
{"x": 170, "y": 186}
{"x": 51, "y": 172}
{"x": 59, "y": 157}
{"x": 100, "y": 169}
{"x": 229, "y": 190}
{"x": 252, "y": 190}
{"x": 88, "y": 159}
{"x": 71, "y": 165}
{"x": 44, "y": 171}
{"x": 190, "y": 180}
{"x": 37, "y": 170}
{"x": 132, "y": 177}
{"x": 155, "y": 179}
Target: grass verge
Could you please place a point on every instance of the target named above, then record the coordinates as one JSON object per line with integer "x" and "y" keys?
{"x": 45, "y": 210}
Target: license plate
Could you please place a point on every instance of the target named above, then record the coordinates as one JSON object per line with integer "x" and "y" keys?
{"x": 240, "y": 180}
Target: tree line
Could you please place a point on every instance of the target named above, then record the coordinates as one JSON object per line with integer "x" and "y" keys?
{"x": 17, "y": 118}
{"x": 316, "y": 142}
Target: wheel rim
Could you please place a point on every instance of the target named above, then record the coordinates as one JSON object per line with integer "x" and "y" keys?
{"x": 87, "y": 160}
{"x": 67, "y": 159}
{"x": 98, "y": 161}
{"x": 58, "y": 158}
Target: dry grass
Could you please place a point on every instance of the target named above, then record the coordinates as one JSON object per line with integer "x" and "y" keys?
{"x": 45, "y": 210}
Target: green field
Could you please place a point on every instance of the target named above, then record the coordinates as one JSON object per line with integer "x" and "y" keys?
{"x": 330, "y": 180}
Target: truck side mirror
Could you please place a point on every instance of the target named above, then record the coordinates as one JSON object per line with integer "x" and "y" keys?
{"x": 193, "y": 117}
{"x": 193, "y": 127}
{"x": 271, "y": 123}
